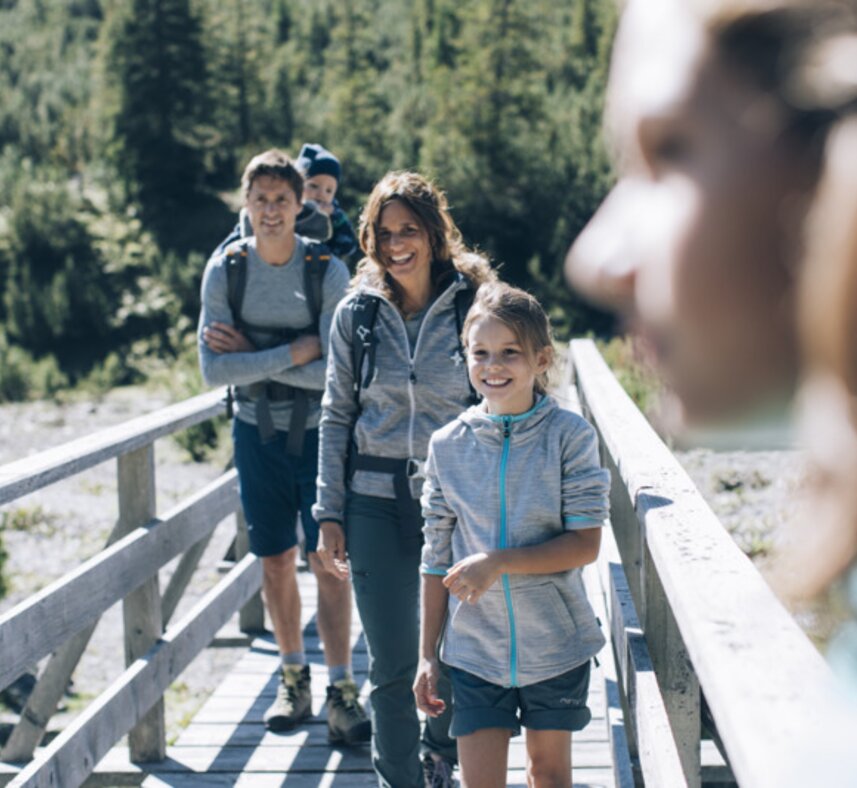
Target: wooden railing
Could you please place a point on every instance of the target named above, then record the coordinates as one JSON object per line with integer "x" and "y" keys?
{"x": 699, "y": 640}
{"x": 60, "y": 619}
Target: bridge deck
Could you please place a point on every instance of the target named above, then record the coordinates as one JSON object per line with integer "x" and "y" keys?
{"x": 227, "y": 744}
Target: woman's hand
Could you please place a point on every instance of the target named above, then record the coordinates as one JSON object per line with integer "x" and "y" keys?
{"x": 425, "y": 688}
{"x": 224, "y": 338}
{"x": 331, "y": 548}
{"x": 473, "y": 576}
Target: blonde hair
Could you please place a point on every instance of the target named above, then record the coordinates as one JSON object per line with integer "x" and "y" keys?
{"x": 429, "y": 205}
{"x": 523, "y": 315}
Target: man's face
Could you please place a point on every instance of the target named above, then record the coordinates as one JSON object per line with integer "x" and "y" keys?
{"x": 272, "y": 207}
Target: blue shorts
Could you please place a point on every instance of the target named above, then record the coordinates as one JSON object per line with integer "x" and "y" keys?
{"x": 274, "y": 487}
{"x": 556, "y": 704}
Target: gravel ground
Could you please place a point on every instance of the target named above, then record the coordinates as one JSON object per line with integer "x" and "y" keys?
{"x": 68, "y": 522}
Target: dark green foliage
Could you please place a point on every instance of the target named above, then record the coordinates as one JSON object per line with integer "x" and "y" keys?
{"x": 124, "y": 122}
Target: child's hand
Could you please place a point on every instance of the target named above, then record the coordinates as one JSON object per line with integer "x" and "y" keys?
{"x": 473, "y": 576}
{"x": 425, "y": 688}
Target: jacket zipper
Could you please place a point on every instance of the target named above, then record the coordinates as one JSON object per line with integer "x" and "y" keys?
{"x": 412, "y": 375}
{"x": 507, "y": 589}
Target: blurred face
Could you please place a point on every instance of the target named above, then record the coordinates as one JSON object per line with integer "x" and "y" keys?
{"x": 696, "y": 244}
{"x": 321, "y": 189}
{"x": 404, "y": 247}
{"x": 500, "y": 368}
{"x": 272, "y": 207}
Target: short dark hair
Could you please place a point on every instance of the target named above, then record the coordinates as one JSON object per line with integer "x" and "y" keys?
{"x": 276, "y": 164}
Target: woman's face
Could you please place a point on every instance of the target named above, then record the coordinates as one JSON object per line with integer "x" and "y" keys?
{"x": 696, "y": 244}
{"x": 403, "y": 245}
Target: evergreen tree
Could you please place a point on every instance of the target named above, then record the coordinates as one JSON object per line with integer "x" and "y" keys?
{"x": 154, "y": 59}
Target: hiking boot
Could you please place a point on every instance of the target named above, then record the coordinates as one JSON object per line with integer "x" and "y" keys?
{"x": 437, "y": 772}
{"x": 294, "y": 700}
{"x": 346, "y": 720}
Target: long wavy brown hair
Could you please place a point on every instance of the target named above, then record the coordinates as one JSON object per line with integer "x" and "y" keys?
{"x": 429, "y": 204}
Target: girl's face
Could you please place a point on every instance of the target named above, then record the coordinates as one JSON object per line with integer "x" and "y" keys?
{"x": 500, "y": 369}
{"x": 403, "y": 245}
{"x": 697, "y": 242}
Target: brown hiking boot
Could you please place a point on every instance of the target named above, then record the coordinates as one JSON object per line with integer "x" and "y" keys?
{"x": 346, "y": 720}
{"x": 294, "y": 700}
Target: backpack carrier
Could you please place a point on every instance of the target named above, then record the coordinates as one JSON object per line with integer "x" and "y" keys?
{"x": 264, "y": 392}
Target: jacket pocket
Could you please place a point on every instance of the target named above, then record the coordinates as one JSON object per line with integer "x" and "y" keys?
{"x": 546, "y": 629}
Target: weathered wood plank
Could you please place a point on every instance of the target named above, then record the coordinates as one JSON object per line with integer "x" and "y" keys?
{"x": 32, "y": 473}
{"x": 141, "y": 609}
{"x": 71, "y": 757}
{"x": 45, "y": 620}
{"x": 767, "y": 710}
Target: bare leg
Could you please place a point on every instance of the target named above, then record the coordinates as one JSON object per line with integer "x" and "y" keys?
{"x": 334, "y": 614}
{"x": 548, "y": 759}
{"x": 280, "y": 587}
{"x": 483, "y": 756}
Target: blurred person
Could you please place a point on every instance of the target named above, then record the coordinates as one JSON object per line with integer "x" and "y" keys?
{"x": 699, "y": 244}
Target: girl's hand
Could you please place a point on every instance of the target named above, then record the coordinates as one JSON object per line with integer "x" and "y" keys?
{"x": 331, "y": 548}
{"x": 223, "y": 338}
{"x": 425, "y": 688}
{"x": 473, "y": 576}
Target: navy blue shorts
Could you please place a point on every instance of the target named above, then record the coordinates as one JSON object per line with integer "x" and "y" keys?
{"x": 274, "y": 487}
{"x": 556, "y": 704}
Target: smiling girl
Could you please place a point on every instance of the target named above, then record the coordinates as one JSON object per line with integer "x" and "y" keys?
{"x": 514, "y": 501}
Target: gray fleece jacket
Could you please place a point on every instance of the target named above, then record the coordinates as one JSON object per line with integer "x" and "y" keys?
{"x": 409, "y": 397}
{"x": 511, "y": 481}
{"x": 274, "y": 297}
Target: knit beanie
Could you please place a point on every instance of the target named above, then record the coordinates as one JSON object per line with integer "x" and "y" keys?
{"x": 316, "y": 160}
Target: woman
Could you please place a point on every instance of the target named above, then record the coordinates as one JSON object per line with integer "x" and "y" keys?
{"x": 395, "y": 374}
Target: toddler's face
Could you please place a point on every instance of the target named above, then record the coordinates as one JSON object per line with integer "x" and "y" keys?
{"x": 321, "y": 189}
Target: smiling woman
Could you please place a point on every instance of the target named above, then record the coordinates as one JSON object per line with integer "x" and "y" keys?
{"x": 380, "y": 407}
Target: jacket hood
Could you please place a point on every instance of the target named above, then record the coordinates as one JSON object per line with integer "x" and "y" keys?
{"x": 489, "y": 428}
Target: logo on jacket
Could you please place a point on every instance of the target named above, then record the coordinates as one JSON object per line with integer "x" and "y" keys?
{"x": 457, "y": 357}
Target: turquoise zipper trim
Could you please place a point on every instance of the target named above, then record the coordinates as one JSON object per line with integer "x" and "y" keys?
{"x": 507, "y": 590}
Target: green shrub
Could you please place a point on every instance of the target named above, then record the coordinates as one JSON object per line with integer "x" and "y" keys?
{"x": 23, "y": 377}
{"x": 638, "y": 377}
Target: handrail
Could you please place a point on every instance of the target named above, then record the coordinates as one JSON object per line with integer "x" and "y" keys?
{"x": 32, "y": 473}
{"x": 64, "y": 614}
{"x": 772, "y": 696}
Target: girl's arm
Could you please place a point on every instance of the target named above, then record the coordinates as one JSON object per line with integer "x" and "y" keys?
{"x": 471, "y": 577}
{"x": 434, "y": 602}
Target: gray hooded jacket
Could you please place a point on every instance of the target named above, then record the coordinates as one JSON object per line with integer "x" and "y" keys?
{"x": 494, "y": 482}
{"x": 409, "y": 397}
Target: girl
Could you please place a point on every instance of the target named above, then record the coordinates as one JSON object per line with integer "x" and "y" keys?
{"x": 379, "y": 409}
{"x": 514, "y": 500}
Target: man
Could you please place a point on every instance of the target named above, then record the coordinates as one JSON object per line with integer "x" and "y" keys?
{"x": 263, "y": 329}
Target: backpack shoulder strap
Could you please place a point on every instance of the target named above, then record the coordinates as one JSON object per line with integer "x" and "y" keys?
{"x": 363, "y": 342}
{"x": 463, "y": 301}
{"x": 236, "y": 279}
{"x": 317, "y": 260}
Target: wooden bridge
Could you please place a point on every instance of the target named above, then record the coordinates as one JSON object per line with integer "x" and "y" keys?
{"x": 707, "y": 679}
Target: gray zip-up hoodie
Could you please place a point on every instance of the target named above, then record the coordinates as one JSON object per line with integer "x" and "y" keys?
{"x": 494, "y": 482}
{"x": 409, "y": 397}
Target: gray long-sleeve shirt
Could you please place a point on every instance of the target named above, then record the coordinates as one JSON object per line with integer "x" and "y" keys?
{"x": 412, "y": 393}
{"x": 495, "y": 482}
{"x": 274, "y": 297}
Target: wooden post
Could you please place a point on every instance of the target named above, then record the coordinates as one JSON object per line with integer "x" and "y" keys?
{"x": 252, "y": 615}
{"x": 141, "y": 608}
{"x": 674, "y": 669}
